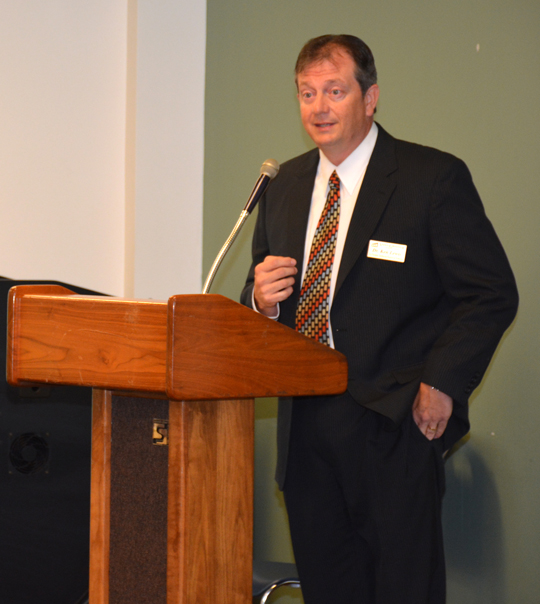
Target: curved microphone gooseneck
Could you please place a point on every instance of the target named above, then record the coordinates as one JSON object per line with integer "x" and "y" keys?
{"x": 269, "y": 170}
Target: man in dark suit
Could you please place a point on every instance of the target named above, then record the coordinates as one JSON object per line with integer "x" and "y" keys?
{"x": 380, "y": 248}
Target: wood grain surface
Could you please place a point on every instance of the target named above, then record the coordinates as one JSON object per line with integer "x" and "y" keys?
{"x": 101, "y": 342}
{"x": 220, "y": 349}
{"x": 100, "y": 498}
{"x": 196, "y": 347}
{"x": 210, "y": 533}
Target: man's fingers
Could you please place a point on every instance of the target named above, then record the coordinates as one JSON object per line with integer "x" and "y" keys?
{"x": 433, "y": 429}
{"x": 441, "y": 427}
{"x": 274, "y": 268}
{"x": 432, "y": 426}
{"x": 274, "y": 276}
{"x": 276, "y": 291}
{"x": 431, "y": 411}
{"x": 274, "y": 280}
{"x": 271, "y": 263}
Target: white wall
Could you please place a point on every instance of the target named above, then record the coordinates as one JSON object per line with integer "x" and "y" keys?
{"x": 171, "y": 44}
{"x": 87, "y": 154}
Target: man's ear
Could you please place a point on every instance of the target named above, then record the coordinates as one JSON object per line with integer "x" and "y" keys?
{"x": 370, "y": 99}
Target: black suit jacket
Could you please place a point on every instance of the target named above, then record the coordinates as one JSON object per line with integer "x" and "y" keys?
{"x": 437, "y": 317}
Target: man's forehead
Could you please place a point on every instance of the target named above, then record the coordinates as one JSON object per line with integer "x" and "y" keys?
{"x": 330, "y": 64}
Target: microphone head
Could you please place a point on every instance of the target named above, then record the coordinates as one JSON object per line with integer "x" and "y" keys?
{"x": 270, "y": 168}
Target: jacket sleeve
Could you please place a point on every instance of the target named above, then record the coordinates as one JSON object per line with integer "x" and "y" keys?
{"x": 476, "y": 274}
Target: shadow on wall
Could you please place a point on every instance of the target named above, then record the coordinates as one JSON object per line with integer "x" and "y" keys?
{"x": 473, "y": 530}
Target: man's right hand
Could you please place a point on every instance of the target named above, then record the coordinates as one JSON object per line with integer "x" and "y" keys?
{"x": 274, "y": 279}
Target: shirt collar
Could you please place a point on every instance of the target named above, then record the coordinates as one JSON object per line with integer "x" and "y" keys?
{"x": 353, "y": 167}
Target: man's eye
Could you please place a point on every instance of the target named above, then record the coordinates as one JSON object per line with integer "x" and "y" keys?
{"x": 336, "y": 92}
{"x": 307, "y": 95}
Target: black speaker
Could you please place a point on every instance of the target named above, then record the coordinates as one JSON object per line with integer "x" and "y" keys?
{"x": 45, "y": 443}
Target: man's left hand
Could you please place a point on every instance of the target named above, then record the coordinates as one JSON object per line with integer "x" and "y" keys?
{"x": 431, "y": 411}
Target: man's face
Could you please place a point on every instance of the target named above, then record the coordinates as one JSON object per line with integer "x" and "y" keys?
{"x": 335, "y": 113}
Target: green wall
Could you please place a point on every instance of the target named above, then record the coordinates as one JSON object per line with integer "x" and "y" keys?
{"x": 463, "y": 76}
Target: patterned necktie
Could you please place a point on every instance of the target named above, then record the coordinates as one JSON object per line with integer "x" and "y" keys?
{"x": 314, "y": 302}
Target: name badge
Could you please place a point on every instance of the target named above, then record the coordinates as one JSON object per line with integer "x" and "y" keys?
{"x": 382, "y": 250}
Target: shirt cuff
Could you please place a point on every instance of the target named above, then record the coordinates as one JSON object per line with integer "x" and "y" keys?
{"x": 254, "y": 306}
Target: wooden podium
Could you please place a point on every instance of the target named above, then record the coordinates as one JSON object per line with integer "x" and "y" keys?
{"x": 172, "y": 429}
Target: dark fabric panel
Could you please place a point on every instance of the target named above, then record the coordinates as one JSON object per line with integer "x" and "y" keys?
{"x": 139, "y": 469}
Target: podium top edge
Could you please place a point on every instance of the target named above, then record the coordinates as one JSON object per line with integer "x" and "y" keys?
{"x": 36, "y": 291}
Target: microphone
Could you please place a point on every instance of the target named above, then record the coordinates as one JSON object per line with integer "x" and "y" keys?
{"x": 269, "y": 170}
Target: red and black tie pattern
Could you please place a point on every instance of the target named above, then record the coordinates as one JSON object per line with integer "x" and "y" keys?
{"x": 314, "y": 303}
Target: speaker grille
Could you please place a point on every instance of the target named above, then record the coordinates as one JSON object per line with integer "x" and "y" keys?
{"x": 29, "y": 453}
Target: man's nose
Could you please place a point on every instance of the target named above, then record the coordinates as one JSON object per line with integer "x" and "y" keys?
{"x": 321, "y": 104}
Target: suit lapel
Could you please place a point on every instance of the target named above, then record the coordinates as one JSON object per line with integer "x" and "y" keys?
{"x": 378, "y": 185}
{"x": 295, "y": 212}
{"x": 298, "y": 204}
